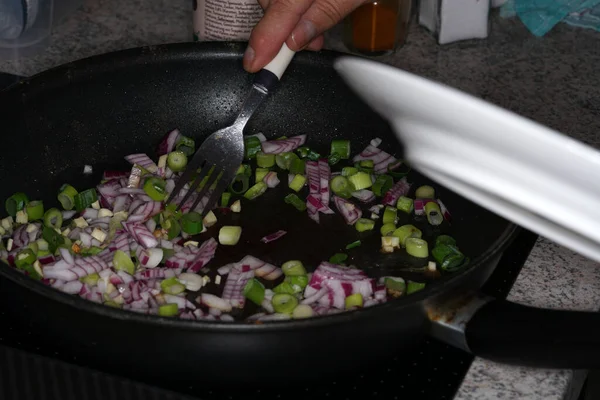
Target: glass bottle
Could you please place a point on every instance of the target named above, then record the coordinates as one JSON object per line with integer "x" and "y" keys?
{"x": 378, "y": 27}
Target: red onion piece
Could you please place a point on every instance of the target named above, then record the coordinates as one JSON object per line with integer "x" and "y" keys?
{"x": 224, "y": 270}
{"x": 68, "y": 214}
{"x": 271, "y": 179}
{"x": 143, "y": 161}
{"x": 45, "y": 260}
{"x": 109, "y": 189}
{"x": 141, "y": 234}
{"x": 268, "y": 272}
{"x": 380, "y": 158}
{"x": 313, "y": 174}
{"x": 110, "y": 175}
{"x": 419, "y": 205}
{"x": 364, "y": 196}
{"x": 149, "y": 258}
{"x": 168, "y": 142}
{"x": 273, "y": 236}
{"x": 234, "y": 286}
{"x": 284, "y": 145}
{"x": 260, "y": 137}
{"x": 325, "y": 176}
{"x": 182, "y": 302}
{"x": 349, "y": 211}
{"x": 400, "y": 188}
{"x": 203, "y": 254}
{"x": 444, "y": 211}
{"x": 121, "y": 203}
{"x": 212, "y": 301}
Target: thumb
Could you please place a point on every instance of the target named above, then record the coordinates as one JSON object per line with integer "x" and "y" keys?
{"x": 279, "y": 20}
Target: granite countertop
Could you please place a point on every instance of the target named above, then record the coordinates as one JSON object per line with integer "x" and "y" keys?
{"x": 553, "y": 80}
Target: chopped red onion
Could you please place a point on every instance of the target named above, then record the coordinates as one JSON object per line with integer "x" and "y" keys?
{"x": 168, "y": 142}
{"x": 182, "y": 302}
{"x": 212, "y": 301}
{"x": 110, "y": 175}
{"x": 380, "y": 158}
{"x": 260, "y": 137}
{"x": 284, "y": 145}
{"x": 149, "y": 258}
{"x": 68, "y": 215}
{"x": 349, "y": 211}
{"x": 268, "y": 272}
{"x": 143, "y": 161}
{"x": 73, "y": 287}
{"x": 444, "y": 211}
{"x": 121, "y": 203}
{"x": 224, "y": 270}
{"x": 419, "y": 205}
{"x": 141, "y": 234}
{"x": 400, "y": 188}
{"x": 271, "y": 179}
{"x": 273, "y": 236}
{"x": 234, "y": 286}
{"x": 325, "y": 176}
{"x": 364, "y": 195}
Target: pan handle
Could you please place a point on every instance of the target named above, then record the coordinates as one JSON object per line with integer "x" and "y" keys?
{"x": 269, "y": 76}
{"x": 512, "y": 333}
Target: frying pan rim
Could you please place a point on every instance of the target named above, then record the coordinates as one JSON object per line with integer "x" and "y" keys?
{"x": 86, "y": 69}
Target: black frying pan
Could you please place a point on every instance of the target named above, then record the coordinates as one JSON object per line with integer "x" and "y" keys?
{"x": 97, "y": 110}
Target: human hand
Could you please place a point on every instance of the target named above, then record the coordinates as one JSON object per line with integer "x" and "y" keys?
{"x": 299, "y": 23}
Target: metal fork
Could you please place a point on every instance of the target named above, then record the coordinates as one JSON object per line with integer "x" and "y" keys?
{"x": 222, "y": 153}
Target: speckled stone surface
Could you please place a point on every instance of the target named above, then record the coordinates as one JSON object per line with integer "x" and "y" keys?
{"x": 553, "y": 80}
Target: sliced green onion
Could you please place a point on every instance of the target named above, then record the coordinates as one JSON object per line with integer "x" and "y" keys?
{"x": 354, "y": 300}
{"x": 293, "y": 268}
{"x": 364, "y": 224}
{"x": 172, "y": 286}
{"x": 417, "y": 247}
{"x": 254, "y": 291}
{"x": 186, "y": 145}
{"x": 399, "y": 173}
{"x": 297, "y": 183}
{"x": 91, "y": 279}
{"x": 303, "y": 151}
{"x": 42, "y": 245}
{"x": 110, "y": 303}
{"x": 177, "y": 161}
{"x": 167, "y": 310}
{"x": 366, "y": 164}
{"x": 240, "y": 184}
{"x": 284, "y": 287}
{"x": 66, "y": 197}
{"x": 167, "y": 253}
{"x": 260, "y": 174}
{"x": 230, "y": 235}
{"x": 25, "y": 257}
{"x": 338, "y": 258}
{"x": 251, "y": 147}
{"x": 244, "y": 169}
{"x": 173, "y": 228}
{"x": 35, "y": 210}
{"x": 448, "y": 256}
{"x": 301, "y": 281}
{"x": 265, "y": 160}
{"x": 313, "y": 156}
{"x": 85, "y": 199}
{"x": 360, "y": 181}
{"x": 225, "y": 198}
{"x": 92, "y": 251}
{"x": 353, "y": 245}
{"x": 155, "y": 188}
{"x": 255, "y": 191}
{"x": 34, "y": 247}
{"x": 53, "y": 218}
{"x": 284, "y": 160}
{"x": 445, "y": 239}
{"x": 389, "y": 215}
{"x": 382, "y": 184}
{"x": 333, "y": 159}
{"x": 396, "y": 286}
{"x": 342, "y": 187}
{"x": 414, "y": 287}
{"x": 122, "y": 262}
{"x": 53, "y": 238}
{"x": 407, "y": 231}
{"x": 425, "y": 192}
{"x": 295, "y": 201}
{"x": 191, "y": 223}
{"x": 349, "y": 171}
{"x": 298, "y": 166}
{"x": 31, "y": 272}
{"x": 387, "y": 228}
{"x": 341, "y": 147}
{"x": 405, "y": 204}
{"x": 302, "y": 311}
{"x": 284, "y": 303}
{"x": 16, "y": 202}
{"x": 434, "y": 214}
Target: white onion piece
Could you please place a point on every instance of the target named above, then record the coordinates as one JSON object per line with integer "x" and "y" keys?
{"x": 210, "y": 300}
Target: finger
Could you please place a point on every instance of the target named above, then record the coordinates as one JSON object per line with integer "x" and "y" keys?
{"x": 272, "y": 30}
{"x": 321, "y": 16}
{"x": 316, "y": 44}
{"x": 264, "y": 4}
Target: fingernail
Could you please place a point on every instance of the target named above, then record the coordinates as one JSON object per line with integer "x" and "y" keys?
{"x": 303, "y": 34}
{"x": 249, "y": 57}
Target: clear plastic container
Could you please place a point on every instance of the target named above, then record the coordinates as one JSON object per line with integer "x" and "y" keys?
{"x": 26, "y": 25}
